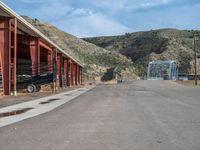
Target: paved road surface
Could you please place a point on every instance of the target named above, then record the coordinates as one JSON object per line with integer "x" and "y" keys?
{"x": 142, "y": 115}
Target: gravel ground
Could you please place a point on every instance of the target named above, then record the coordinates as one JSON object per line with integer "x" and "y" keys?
{"x": 139, "y": 115}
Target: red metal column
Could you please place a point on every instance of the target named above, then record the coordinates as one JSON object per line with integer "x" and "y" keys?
{"x": 34, "y": 55}
{"x": 15, "y": 57}
{"x": 58, "y": 69}
{"x": 61, "y": 70}
{"x": 54, "y": 69}
{"x": 81, "y": 75}
{"x": 50, "y": 54}
{"x": 38, "y": 52}
{"x": 71, "y": 74}
{"x": 76, "y": 74}
{"x": 50, "y": 61}
{"x": 5, "y": 41}
{"x": 67, "y": 71}
{"x": 68, "y": 79}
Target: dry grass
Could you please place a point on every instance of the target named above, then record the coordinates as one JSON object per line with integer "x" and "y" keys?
{"x": 110, "y": 82}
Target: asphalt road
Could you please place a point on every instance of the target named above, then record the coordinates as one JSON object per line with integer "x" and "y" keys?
{"x": 142, "y": 115}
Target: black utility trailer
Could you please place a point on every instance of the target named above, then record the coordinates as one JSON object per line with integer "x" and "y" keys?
{"x": 34, "y": 83}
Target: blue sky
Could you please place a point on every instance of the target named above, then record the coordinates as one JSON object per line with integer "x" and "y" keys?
{"x": 87, "y": 18}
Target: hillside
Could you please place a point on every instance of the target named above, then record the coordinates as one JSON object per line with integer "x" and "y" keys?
{"x": 142, "y": 47}
{"x": 97, "y": 61}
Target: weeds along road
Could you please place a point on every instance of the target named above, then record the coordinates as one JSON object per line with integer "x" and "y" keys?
{"x": 142, "y": 115}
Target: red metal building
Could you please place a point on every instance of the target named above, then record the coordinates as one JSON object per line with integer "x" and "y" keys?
{"x": 22, "y": 46}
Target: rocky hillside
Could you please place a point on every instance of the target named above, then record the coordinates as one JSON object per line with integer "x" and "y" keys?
{"x": 163, "y": 44}
{"x": 97, "y": 61}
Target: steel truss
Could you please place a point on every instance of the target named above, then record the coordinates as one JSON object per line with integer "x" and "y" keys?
{"x": 162, "y": 70}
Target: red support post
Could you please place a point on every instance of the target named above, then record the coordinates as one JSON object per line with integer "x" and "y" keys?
{"x": 67, "y": 71}
{"x": 50, "y": 54}
{"x": 81, "y": 75}
{"x": 38, "y": 56}
{"x": 54, "y": 69}
{"x": 61, "y": 70}
{"x": 15, "y": 57}
{"x": 76, "y": 74}
{"x": 50, "y": 61}
{"x": 34, "y": 49}
{"x": 5, "y": 47}
{"x": 58, "y": 69}
{"x": 71, "y": 74}
{"x": 68, "y": 79}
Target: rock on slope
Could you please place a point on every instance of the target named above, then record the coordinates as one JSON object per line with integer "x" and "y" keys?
{"x": 96, "y": 60}
{"x": 163, "y": 44}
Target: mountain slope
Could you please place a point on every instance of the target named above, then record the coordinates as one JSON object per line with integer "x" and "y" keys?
{"x": 96, "y": 60}
{"x": 142, "y": 47}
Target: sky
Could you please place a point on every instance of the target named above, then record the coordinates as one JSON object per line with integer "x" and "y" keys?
{"x": 90, "y": 18}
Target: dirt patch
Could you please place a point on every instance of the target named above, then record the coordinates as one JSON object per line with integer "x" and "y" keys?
{"x": 187, "y": 83}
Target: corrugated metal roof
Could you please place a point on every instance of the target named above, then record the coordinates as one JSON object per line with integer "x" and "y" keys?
{"x": 10, "y": 12}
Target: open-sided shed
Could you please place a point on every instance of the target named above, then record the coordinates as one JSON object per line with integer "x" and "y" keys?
{"x": 26, "y": 53}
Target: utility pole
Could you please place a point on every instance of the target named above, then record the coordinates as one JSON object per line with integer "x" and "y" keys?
{"x": 195, "y": 59}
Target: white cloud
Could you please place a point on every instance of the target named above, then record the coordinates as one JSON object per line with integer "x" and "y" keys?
{"x": 153, "y": 3}
{"x": 111, "y": 5}
{"x": 111, "y": 17}
{"x": 147, "y": 4}
{"x": 165, "y": 1}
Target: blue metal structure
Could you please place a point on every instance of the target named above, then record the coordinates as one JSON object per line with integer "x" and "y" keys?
{"x": 162, "y": 70}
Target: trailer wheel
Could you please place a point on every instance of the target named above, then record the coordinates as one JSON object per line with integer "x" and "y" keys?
{"x": 31, "y": 88}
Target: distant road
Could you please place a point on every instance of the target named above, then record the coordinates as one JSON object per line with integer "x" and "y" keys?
{"x": 141, "y": 115}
